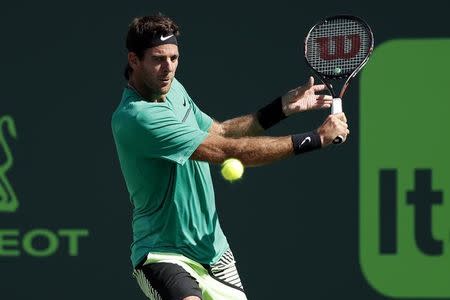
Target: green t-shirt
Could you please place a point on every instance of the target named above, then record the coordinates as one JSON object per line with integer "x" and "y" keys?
{"x": 173, "y": 197}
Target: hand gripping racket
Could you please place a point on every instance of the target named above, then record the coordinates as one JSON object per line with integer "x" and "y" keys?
{"x": 336, "y": 49}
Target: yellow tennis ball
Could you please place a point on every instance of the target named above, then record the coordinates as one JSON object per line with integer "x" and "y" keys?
{"x": 232, "y": 169}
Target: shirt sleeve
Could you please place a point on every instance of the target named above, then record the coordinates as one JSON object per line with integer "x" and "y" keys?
{"x": 203, "y": 120}
{"x": 155, "y": 132}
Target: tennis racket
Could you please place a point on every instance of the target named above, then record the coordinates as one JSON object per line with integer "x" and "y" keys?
{"x": 336, "y": 49}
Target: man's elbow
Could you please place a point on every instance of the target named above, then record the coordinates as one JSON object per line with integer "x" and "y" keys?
{"x": 217, "y": 128}
{"x": 214, "y": 149}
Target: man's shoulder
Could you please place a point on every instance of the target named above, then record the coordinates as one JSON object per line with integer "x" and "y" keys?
{"x": 178, "y": 87}
{"x": 176, "y": 84}
{"x": 124, "y": 108}
{"x": 132, "y": 109}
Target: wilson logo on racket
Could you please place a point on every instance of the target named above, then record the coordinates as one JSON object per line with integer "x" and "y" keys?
{"x": 336, "y": 49}
{"x": 339, "y": 47}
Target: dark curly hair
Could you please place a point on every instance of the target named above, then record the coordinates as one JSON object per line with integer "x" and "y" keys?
{"x": 142, "y": 30}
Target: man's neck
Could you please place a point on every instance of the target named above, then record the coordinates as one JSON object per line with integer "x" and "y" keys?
{"x": 140, "y": 88}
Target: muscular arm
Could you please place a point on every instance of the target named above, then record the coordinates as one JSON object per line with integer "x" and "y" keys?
{"x": 247, "y": 125}
{"x": 251, "y": 151}
{"x": 302, "y": 98}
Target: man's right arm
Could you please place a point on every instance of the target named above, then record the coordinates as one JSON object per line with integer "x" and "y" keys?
{"x": 253, "y": 151}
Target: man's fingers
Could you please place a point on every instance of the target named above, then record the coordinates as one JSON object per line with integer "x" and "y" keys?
{"x": 325, "y": 98}
{"x": 343, "y": 127}
{"x": 341, "y": 116}
{"x": 320, "y": 87}
{"x": 335, "y": 125}
{"x": 323, "y": 103}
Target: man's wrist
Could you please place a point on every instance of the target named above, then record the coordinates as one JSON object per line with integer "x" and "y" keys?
{"x": 271, "y": 114}
{"x": 284, "y": 107}
{"x": 321, "y": 136}
{"x": 305, "y": 142}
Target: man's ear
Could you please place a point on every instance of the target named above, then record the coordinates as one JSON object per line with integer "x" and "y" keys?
{"x": 133, "y": 60}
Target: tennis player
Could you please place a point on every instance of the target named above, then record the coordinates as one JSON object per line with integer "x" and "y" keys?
{"x": 165, "y": 142}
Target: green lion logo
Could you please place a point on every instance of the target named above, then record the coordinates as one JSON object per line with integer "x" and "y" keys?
{"x": 8, "y": 199}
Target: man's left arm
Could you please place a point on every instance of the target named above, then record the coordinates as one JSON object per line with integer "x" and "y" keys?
{"x": 303, "y": 98}
{"x": 247, "y": 125}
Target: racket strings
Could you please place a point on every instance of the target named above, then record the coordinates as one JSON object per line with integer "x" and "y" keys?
{"x": 338, "y": 46}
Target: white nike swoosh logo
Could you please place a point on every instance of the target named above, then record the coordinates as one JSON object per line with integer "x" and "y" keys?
{"x": 163, "y": 38}
{"x": 308, "y": 139}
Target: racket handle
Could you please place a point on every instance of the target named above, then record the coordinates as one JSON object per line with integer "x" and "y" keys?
{"x": 336, "y": 108}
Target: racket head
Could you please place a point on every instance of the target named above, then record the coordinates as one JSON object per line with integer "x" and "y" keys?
{"x": 338, "y": 46}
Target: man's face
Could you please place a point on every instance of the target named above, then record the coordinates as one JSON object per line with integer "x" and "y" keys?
{"x": 157, "y": 68}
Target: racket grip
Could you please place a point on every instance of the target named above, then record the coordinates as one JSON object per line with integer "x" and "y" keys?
{"x": 336, "y": 107}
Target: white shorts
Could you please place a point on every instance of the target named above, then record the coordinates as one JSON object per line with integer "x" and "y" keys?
{"x": 167, "y": 276}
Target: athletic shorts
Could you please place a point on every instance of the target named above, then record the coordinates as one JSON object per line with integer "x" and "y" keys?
{"x": 167, "y": 276}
